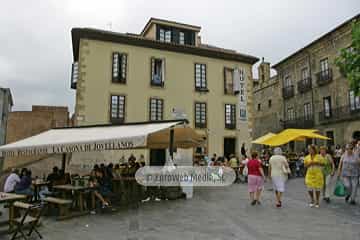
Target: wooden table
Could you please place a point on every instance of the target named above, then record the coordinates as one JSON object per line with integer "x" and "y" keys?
{"x": 37, "y": 186}
{"x": 10, "y": 198}
{"x": 78, "y": 192}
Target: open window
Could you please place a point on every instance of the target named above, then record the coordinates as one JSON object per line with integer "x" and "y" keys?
{"x": 157, "y": 72}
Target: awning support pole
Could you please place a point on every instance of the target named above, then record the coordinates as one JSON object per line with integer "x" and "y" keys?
{"x": 171, "y": 147}
{"x": 63, "y": 163}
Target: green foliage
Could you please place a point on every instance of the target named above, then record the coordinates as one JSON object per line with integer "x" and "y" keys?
{"x": 349, "y": 59}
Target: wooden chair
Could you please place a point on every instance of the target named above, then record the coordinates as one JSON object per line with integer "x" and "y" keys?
{"x": 30, "y": 218}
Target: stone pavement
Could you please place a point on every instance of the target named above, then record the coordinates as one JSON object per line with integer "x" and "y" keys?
{"x": 217, "y": 213}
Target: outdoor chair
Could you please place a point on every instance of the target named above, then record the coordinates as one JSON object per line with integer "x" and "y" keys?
{"x": 30, "y": 219}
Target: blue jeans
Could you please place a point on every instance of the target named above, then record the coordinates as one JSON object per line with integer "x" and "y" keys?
{"x": 27, "y": 191}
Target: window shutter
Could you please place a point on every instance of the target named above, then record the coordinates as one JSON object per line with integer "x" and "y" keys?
{"x": 152, "y": 69}
{"x": 123, "y": 67}
{"x": 163, "y": 71}
{"x": 115, "y": 67}
{"x": 175, "y": 35}
{"x": 157, "y": 32}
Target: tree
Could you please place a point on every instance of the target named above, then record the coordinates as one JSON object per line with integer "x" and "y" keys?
{"x": 349, "y": 59}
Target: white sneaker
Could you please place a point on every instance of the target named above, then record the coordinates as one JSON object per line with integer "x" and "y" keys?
{"x": 92, "y": 212}
{"x": 311, "y": 205}
{"x": 146, "y": 200}
{"x": 157, "y": 199}
{"x": 317, "y": 206}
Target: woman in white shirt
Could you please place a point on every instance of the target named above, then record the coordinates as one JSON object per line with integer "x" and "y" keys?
{"x": 278, "y": 170}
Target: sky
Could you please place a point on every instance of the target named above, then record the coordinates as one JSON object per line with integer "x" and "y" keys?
{"x": 36, "y": 49}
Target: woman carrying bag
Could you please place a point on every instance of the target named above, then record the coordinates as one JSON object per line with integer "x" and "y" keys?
{"x": 349, "y": 171}
{"x": 278, "y": 171}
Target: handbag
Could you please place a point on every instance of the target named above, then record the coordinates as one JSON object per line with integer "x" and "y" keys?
{"x": 286, "y": 170}
{"x": 340, "y": 190}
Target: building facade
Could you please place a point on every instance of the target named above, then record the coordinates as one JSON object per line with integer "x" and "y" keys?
{"x": 6, "y": 103}
{"x": 160, "y": 74}
{"x": 24, "y": 124}
{"x": 314, "y": 92}
{"x": 267, "y": 103}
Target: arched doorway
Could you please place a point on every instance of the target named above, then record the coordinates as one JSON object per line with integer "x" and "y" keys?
{"x": 356, "y": 135}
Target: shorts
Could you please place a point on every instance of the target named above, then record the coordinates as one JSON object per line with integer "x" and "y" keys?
{"x": 255, "y": 183}
{"x": 278, "y": 183}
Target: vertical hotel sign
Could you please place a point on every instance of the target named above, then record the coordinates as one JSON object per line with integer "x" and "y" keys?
{"x": 242, "y": 94}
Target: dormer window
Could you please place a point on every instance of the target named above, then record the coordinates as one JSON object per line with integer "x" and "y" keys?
{"x": 175, "y": 35}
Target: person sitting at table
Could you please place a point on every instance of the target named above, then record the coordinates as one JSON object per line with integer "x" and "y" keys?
{"x": 11, "y": 181}
{"x": 96, "y": 181}
{"x": 24, "y": 186}
{"x": 52, "y": 179}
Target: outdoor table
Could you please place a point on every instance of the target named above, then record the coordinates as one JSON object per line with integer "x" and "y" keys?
{"x": 38, "y": 183}
{"x": 78, "y": 192}
{"x": 10, "y": 198}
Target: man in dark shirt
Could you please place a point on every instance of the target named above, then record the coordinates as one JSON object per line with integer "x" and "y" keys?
{"x": 53, "y": 177}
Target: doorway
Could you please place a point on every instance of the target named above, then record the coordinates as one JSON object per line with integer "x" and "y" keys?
{"x": 356, "y": 135}
{"x": 229, "y": 146}
{"x": 157, "y": 157}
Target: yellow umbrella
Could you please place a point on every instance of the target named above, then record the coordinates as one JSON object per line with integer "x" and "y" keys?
{"x": 289, "y": 135}
{"x": 263, "y": 138}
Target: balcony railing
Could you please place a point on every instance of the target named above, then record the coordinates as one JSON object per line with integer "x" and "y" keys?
{"x": 343, "y": 113}
{"x": 288, "y": 92}
{"x": 301, "y": 122}
{"x": 324, "y": 77}
{"x": 304, "y": 85}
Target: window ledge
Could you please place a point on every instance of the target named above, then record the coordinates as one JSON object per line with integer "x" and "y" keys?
{"x": 157, "y": 85}
{"x": 202, "y": 90}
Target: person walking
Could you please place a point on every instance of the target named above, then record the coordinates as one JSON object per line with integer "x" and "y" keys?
{"x": 329, "y": 171}
{"x": 314, "y": 178}
{"x": 256, "y": 178}
{"x": 278, "y": 171}
{"x": 337, "y": 155}
{"x": 349, "y": 171}
{"x": 243, "y": 150}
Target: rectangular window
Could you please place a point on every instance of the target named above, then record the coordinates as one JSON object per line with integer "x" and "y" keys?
{"x": 74, "y": 73}
{"x": 162, "y": 35}
{"x": 259, "y": 107}
{"x": 229, "y": 81}
{"x": 327, "y": 106}
{"x": 200, "y": 77}
{"x": 119, "y": 63}
{"x": 269, "y": 103}
{"x": 200, "y": 115}
{"x": 354, "y": 101}
{"x": 290, "y": 114}
{"x": 230, "y": 116}
{"x": 157, "y": 72}
{"x": 167, "y": 36}
{"x": 156, "y": 109}
{"x": 287, "y": 82}
{"x": 182, "y": 38}
{"x": 330, "y": 142}
{"x": 242, "y": 113}
{"x": 305, "y": 74}
{"x": 324, "y": 65}
{"x": 308, "y": 111}
{"x": 117, "y": 109}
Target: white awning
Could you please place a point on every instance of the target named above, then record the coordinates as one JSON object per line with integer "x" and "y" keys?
{"x": 87, "y": 139}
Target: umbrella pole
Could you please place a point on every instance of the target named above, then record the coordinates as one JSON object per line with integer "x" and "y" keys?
{"x": 171, "y": 145}
{"x": 63, "y": 162}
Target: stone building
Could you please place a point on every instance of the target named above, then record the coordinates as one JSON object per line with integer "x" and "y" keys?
{"x": 6, "y": 102}
{"x": 23, "y": 124}
{"x": 314, "y": 92}
{"x": 267, "y": 102}
{"x": 163, "y": 72}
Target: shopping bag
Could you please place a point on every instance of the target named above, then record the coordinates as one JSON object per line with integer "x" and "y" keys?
{"x": 340, "y": 189}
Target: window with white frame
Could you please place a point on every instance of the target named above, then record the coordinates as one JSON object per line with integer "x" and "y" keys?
{"x": 290, "y": 114}
{"x": 182, "y": 38}
{"x": 200, "y": 115}
{"x": 119, "y": 62}
{"x": 305, "y": 74}
{"x": 308, "y": 111}
{"x": 156, "y": 109}
{"x": 157, "y": 72}
{"x": 229, "y": 81}
{"x": 200, "y": 76}
{"x": 230, "y": 116}
{"x": 287, "y": 81}
{"x": 117, "y": 109}
{"x": 354, "y": 101}
{"x": 327, "y": 106}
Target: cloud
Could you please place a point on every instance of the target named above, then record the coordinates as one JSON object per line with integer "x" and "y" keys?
{"x": 36, "y": 51}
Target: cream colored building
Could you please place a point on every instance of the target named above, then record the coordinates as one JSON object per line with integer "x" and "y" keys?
{"x": 160, "y": 74}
